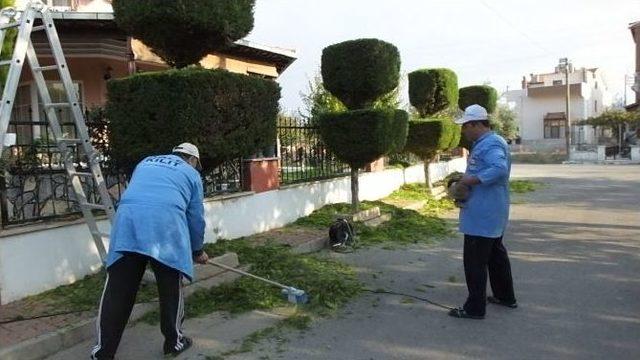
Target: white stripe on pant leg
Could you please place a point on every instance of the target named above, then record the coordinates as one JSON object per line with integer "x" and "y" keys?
{"x": 179, "y": 315}
{"x": 99, "y": 345}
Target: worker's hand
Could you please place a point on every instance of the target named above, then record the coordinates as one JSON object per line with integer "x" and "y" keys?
{"x": 202, "y": 258}
{"x": 458, "y": 191}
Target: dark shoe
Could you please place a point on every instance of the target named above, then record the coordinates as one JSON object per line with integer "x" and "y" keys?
{"x": 460, "y": 313}
{"x": 179, "y": 348}
{"x": 495, "y": 300}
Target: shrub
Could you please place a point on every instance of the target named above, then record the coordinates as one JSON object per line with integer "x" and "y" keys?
{"x": 358, "y": 72}
{"x": 182, "y": 32}
{"x": 456, "y": 135}
{"x": 8, "y": 45}
{"x": 433, "y": 90}
{"x": 427, "y": 137}
{"x": 483, "y": 95}
{"x": 359, "y": 137}
{"x": 400, "y": 131}
{"x": 226, "y": 115}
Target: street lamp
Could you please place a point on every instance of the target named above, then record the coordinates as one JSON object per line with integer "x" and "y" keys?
{"x": 564, "y": 65}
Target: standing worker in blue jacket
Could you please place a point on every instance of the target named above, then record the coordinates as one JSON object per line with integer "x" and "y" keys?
{"x": 160, "y": 221}
{"x": 484, "y": 216}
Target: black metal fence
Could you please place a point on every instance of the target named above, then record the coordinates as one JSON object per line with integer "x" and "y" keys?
{"x": 33, "y": 181}
{"x": 617, "y": 152}
{"x": 303, "y": 156}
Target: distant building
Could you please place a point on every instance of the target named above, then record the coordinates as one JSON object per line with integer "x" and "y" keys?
{"x": 540, "y": 106}
{"x": 635, "y": 33}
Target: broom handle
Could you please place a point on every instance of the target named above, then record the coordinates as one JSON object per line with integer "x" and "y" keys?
{"x": 211, "y": 262}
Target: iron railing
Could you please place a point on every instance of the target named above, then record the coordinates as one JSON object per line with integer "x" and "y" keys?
{"x": 617, "y": 152}
{"x": 303, "y": 155}
{"x": 34, "y": 185}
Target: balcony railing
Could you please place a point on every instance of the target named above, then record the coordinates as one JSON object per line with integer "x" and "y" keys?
{"x": 81, "y": 5}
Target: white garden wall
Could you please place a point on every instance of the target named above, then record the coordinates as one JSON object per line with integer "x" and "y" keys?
{"x": 39, "y": 258}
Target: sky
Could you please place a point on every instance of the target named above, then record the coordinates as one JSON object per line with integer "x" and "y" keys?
{"x": 483, "y": 41}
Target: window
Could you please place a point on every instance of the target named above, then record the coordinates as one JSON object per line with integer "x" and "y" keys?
{"x": 596, "y": 85}
{"x": 59, "y": 3}
{"x": 557, "y": 82}
{"x": 553, "y": 129}
{"x": 21, "y": 116}
{"x": 65, "y": 118}
{"x": 595, "y": 106}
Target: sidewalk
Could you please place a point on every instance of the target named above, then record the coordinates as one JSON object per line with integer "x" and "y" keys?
{"x": 42, "y": 337}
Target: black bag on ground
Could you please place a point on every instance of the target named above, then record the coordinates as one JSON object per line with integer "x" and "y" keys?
{"x": 341, "y": 234}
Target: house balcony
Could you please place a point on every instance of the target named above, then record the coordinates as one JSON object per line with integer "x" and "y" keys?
{"x": 93, "y": 6}
{"x": 555, "y": 90}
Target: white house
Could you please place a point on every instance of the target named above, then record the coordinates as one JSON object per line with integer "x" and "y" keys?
{"x": 540, "y": 106}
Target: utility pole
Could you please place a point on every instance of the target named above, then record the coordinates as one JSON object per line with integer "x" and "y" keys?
{"x": 565, "y": 65}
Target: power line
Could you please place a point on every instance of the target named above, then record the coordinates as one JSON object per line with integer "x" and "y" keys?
{"x": 516, "y": 28}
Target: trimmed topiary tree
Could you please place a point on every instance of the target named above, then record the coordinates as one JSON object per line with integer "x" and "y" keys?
{"x": 182, "y": 32}
{"x": 356, "y": 79}
{"x": 434, "y": 93}
{"x": 360, "y": 73}
{"x": 433, "y": 90}
{"x": 483, "y": 95}
{"x": 225, "y": 114}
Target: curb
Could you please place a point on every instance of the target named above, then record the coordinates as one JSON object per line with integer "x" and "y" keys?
{"x": 51, "y": 343}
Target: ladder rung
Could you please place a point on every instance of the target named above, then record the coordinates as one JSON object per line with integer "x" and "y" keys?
{"x": 51, "y": 105}
{"x": 67, "y": 140}
{"x": 5, "y": 62}
{"x": 9, "y": 25}
{"x": 46, "y": 68}
{"x": 93, "y": 206}
{"x": 82, "y": 173}
{"x": 38, "y": 28}
{"x": 101, "y": 234}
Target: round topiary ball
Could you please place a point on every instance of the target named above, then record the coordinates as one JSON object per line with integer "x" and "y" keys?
{"x": 182, "y": 32}
{"x": 358, "y": 72}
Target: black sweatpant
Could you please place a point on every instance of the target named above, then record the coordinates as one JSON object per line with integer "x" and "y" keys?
{"x": 119, "y": 295}
{"x": 482, "y": 254}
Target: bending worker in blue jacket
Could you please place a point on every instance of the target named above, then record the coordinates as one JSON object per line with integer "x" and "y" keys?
{"x": 484, "y": 216}
{"x": 160, "y": 221}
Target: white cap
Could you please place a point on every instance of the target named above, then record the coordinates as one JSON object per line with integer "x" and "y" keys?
{"x": 473, "y": 112}
{"x": 189, "y": 149}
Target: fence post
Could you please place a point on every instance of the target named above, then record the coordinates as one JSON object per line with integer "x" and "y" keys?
{"x": 3, "y": 202}
{"x": 261, "y": 175}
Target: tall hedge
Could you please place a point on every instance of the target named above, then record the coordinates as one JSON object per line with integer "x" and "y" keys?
{"x": 182, "y": 32}
{"x": 226, "y": 115}
{"x": 433, "y": 90}
{"x": 358, "y": 72}
{"x": 359, "y": 137}
{"x": 483, "y": 95}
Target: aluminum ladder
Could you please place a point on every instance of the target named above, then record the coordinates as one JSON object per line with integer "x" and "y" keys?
{"x": 24, "y": 22}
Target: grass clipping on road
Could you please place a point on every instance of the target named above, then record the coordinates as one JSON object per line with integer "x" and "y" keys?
{"x": 329, "y": 283}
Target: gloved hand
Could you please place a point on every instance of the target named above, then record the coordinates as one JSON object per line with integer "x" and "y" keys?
{"x": 458, "y": 191}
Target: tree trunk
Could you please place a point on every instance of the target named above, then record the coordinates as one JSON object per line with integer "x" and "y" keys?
{"x": 355, "y": 202}
{"x": 427, "y": 175}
